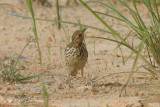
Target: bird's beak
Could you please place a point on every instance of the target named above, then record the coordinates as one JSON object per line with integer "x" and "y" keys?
{"x": 84, "y": 29}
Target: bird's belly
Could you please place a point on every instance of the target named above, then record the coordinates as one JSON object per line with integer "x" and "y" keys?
{"x": 77, "y": 64}
{"x": 80, "y": 64}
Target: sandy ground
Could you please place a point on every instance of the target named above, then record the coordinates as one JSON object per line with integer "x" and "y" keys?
{"x": 92, "y": 90}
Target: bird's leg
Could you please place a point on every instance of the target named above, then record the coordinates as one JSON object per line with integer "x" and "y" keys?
{"x": 82, "y": 72}
{"x": 68, "y": 81}
{"x": 72, "y": 74}
{"x": 69, "y": 78}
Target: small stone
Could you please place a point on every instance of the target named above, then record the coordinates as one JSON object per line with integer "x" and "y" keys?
{"x": 70, "y": 13}
{"x": 103, "y": 91}
{"x": 119, "y": 54}
{"x": 22, "y": 92}
{"x": 60, "y": 86}
{"x": 120, "y": 104}
{"x": 36, "y": 91}
{"x": 47, "y": 83}
{"x": 6, "y": 62}
{"x": 22, "y": 58}
{"x": 18, "y": 85}
{"x": 140, "y": 93}
{"x": 92, "y": 89}
{"x": 106, "y": 105}
{"x": 2, "y": 99}
{"x": 10, "y": 100}
{"x": 49, "y": 39}
{"x": 68, "y": 96}
{"x": 118, "y": 66}
{"x": 94, "y": 77}
{"x": 11, "y": 88}
{"x": 4, "y": 90}
{"x": 13, "y": 12}
{"x": 9, "y": 47}
{"x": 39, "y": 101}
{"x": 39, "y": 84}
{"x": 2, "y": 28}
{"x": 82, "y": 88}
{"x": 138, "y": 104}
{"x": 104, "y": 10}
{"x": 19, "y": 39}
{"x": 52, "y": 89}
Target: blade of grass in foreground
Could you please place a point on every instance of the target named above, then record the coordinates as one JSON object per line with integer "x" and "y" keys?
{"x": 21, "y": 53}
{"x": 45, "y": 95}
{"x": 5, "y": 4}
{"x": 29, "y": 4}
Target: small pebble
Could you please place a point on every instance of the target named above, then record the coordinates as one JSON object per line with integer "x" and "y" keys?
{"x": 47, "y": 83}
{"x": 18, "y": 85}
{"x": 39, "y": 101}
{"x": 36, "y": 91}
{"x": 82, "y": 88}
{"x": 13, "y": 12}
{"x": 2, "y": 99}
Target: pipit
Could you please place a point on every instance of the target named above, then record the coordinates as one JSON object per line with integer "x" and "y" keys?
{"x": 76, "y": 53}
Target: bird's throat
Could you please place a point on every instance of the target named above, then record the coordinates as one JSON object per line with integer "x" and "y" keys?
{"x": 75, "y": 44}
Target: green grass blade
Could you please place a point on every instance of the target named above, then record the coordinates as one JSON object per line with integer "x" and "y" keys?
{"x": 110, "y": 16}
{"x": 21, "y": 53}
{"x": 45, "y": 95}
{"x": 116, "y": 74}
{"x": 6, "y": 4}
{"x": 66, "y": 22}
{"x": 29, "y": 4}
{"x": 138, "y": 53}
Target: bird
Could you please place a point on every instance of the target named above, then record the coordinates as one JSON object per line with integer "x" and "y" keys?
{"x": 76, "y": 53}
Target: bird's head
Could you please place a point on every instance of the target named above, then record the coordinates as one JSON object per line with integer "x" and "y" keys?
{"x": 78, "y": 37}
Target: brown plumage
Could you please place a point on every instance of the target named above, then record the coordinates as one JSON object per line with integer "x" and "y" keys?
{"x": 76, "y": 53}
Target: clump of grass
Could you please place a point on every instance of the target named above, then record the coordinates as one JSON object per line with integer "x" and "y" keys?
{"x": 149, "y": 36}
{"x": 10, "y": 72}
